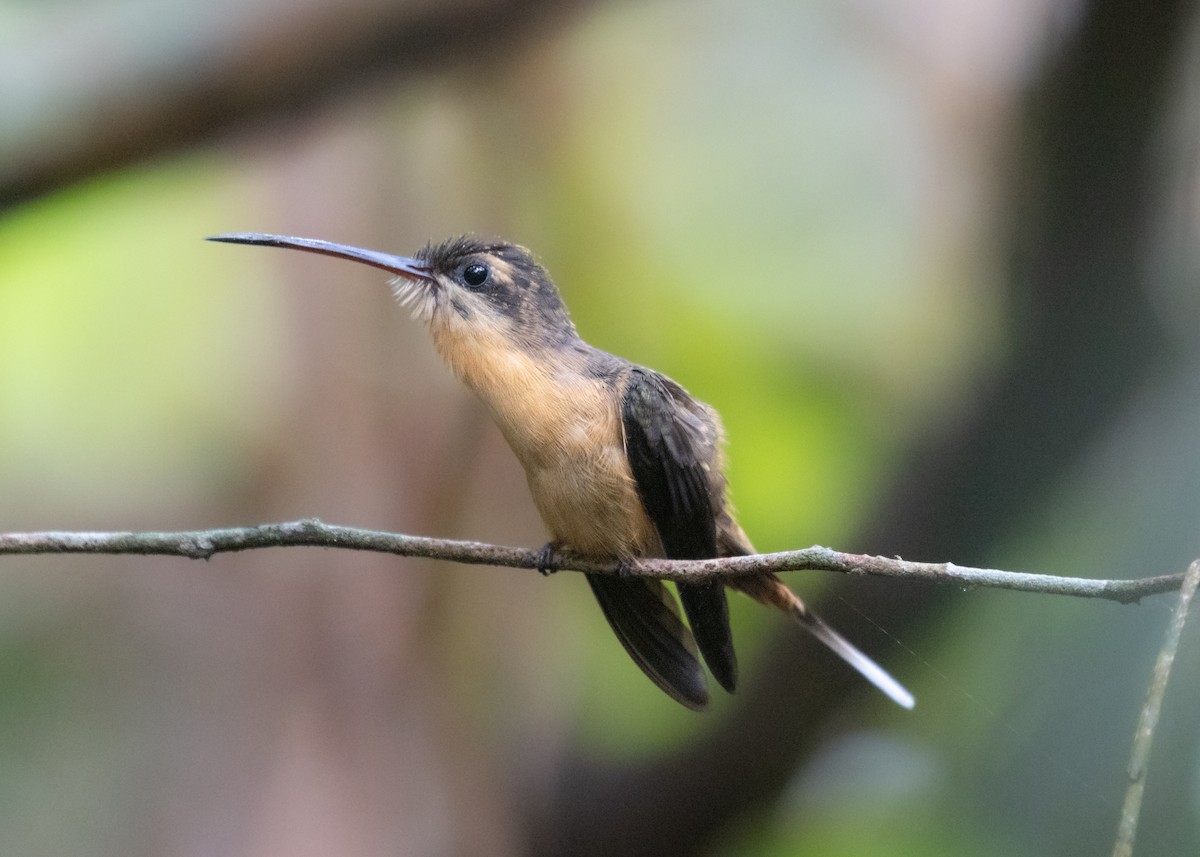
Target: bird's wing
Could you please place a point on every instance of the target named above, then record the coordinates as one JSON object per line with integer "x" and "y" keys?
{"x": 668, "y": 445}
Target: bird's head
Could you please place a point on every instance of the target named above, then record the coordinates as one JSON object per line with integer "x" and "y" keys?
{"x": 460, "y": 285}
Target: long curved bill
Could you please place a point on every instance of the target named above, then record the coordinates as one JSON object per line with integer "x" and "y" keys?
{"x": 403, "y": 266}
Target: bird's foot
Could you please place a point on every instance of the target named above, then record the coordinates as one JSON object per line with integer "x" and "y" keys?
{"x": 547, "y": 559}
{"x": 626, "y": 569}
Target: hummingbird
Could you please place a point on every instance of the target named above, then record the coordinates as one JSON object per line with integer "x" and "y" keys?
{"x": 621, "y": 461}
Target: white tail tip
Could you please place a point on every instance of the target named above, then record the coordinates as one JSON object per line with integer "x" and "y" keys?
{"x": 846, "y": 650}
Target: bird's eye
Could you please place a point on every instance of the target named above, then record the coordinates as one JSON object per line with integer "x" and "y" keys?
{"x": 475, "y": 275}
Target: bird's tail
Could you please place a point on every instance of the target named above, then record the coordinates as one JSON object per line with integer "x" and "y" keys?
{"x": 769, "y": 589}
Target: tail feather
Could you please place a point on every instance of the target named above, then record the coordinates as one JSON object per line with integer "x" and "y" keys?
{"x": 645, "y": 617}
{"x": 768, "y": 589}
{"x": 707, "y": 612}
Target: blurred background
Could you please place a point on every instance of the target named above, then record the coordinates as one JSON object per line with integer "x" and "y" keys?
{"x": 935, "y": 263}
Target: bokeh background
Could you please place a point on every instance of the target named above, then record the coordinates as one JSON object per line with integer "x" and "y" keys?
{"x": 934, "y": 261}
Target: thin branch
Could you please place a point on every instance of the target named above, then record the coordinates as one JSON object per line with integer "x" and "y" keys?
{"x": 202, "y": 544}
{"x": 1148, "y": 720}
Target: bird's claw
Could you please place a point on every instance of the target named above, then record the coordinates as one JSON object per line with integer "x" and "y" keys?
{"x": 626, "y": 569}
{"x": 546, "y": 561}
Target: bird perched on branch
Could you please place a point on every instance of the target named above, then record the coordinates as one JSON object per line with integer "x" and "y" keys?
{"x": 621, "y": 461}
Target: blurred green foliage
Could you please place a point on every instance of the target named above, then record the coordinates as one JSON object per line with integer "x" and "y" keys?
{"x": 736, "y": 226}
{"x": 130, "y": 359}
{"x": 766, "y": 224}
